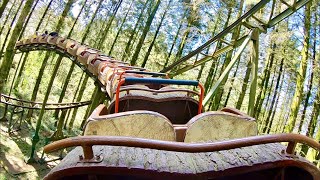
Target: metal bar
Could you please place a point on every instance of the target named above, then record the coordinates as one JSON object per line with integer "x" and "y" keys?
{"x": 287, "y": 4}
{"x": 227, "y": 30}
{"x": 180, "y": 146}
{"x": 254, "y": 75}
{"x": 208, "y": 58}
{"x": 286, "y": 13}
{"x": 228, "y": 68}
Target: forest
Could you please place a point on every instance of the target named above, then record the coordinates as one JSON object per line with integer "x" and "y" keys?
{"x": 155, "y": 34}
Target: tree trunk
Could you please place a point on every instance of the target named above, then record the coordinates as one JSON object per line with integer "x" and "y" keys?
{"x": 265, "y": 82}
{"x": 76, "y": 20}
{"x": 66, "y": 81}
{"x": 280, "y": 127}
{"x": 268, "y": 124}
{"x": 47, "y": 55}
{"x": 44, "y": 15}
{"x": 301, "y": 73}
{"x": 274, "y": 128}
{"x": 120, "y": 29}
{"x": 10, "y": 52}
{"x": 235, "y": 36}
{"x": 213, "y": 65}
{"x": 9, "y": 29}
{"x": 106, "y": 30}
{"x": 83, "y": 74}
{"x": 126, "y": 53}
{"x": 261, "y": 120}
{"x": 155, "y": 36}
{"x": 81, "y": 91}
{"x": 84, "y": 37}
{"x": 144, "y": 33}
{"x": 311, "y": 153}
{"x": 174, "y": 41}
{"x": 232, "y": 82}
{"x": 28, "y": 19}
{"x": 309, "y": 88}
{"x": 3, "y": 6}
{"x": 97, "y": 98}
{"x": 27, "y": 54}
{"x": 313, "y": 122}
{"x": 244, "y": 85}
{"x": 7, "y": 17}
{"x": 183, "y": 42}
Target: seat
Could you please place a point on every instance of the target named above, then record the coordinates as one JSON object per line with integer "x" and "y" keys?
{"x": 179, "y": 109}
{"x": 26, "y": 41}
{"x": 52, "y": 40}
{"x": 141, "y": 124}
{"x": 218, "y": 125}
{"x": 43, "y": 39}
{"x": 34, "y": 39}
{"x": 84, "y": 54}
{"x": 62, "y": 43}
{"x": 72, "y": 47}
{"x": 103, "y": 69}
{"x": 19, "y": 43}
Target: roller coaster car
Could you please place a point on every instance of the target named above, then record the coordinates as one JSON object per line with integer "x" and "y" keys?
{"x": 43, "y": 39}
{"x": 62, "y": 43}
{"x": 178, "y": 105}
{"x": 212, "y": 145}
{"x": 72, "y": 47}
{"x": 83, "y": 53}
{"x": 52, "y": 40}
{"x": 153, "y": 130}
{"x": 34, "y": 39}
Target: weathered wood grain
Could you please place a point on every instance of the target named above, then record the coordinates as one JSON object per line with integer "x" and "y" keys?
{"x": 143, "y": 124}
{"x": 175, "y": 163}
{"x": 214, "y": 126}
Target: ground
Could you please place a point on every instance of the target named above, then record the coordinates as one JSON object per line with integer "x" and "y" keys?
{"x": 15, "y": 149}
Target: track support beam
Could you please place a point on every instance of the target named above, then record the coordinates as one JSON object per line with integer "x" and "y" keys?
{"x": 225, "y": 73}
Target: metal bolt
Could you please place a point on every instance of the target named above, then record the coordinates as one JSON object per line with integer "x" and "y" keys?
{"x": 97, "y": 157}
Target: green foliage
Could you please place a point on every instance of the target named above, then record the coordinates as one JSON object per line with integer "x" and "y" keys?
{"x": 187, "y": 24}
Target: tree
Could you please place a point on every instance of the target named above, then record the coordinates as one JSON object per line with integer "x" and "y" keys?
{"x": 155, "y": 35}
{"x": 120, "y": 29}
{"x": 301, "y": 75}
{"x": 9, "y": 30}
{"x": 144, "y": 33}
{"x": 107, "y": 28}
{"x": 9, "y": 54}
{"x": 126, "y": 52}
{"x": 58, "y": 28}
{"x": 3, "y": 6}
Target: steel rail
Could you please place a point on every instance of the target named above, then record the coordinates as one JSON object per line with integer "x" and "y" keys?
{"x": 227, "y": 30}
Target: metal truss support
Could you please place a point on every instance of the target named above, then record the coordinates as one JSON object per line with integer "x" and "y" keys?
{"x": 254, "y": 43}
{"x": 249, "y": 20}
{"x": 234, "y": 59}
{"x": 207, "y": 58}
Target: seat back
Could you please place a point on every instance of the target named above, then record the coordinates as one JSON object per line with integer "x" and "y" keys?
{"x": 141, "y": 124}
{"x": 215, "y": 126}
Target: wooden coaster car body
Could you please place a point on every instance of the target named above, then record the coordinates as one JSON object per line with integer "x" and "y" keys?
{"x": 62, "y": 43}
{"x": 43, "y": 39}
{"x": 72, "y": 47}
{"x": 258, "y": 157}
{"x": 52, "y": 40}
{"x": 84, "y": 55}
{"x": 34, "y": 40}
